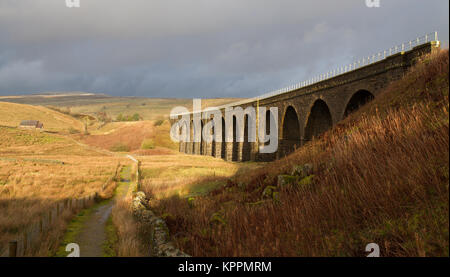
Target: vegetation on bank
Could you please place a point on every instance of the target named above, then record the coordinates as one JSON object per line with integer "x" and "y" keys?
{"x": 134, "y": 117}
{"x": 380, "y": 175}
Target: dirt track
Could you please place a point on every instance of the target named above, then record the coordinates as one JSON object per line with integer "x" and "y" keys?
{"x": 93, "y": 234}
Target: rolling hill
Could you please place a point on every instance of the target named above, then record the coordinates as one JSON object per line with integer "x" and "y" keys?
{"x": 11, "y": 114}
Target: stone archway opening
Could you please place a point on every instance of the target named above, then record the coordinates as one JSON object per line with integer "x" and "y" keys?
{"x": 213, "y": 143}
{"x": 202, "y": 146}
{"x": 223, "y": 144}
{"x": 234, "y": 149}
{"x": 358, "y": 99}
{"x": 191, "y": 139}
{"x": 291, "y": 131}
{"x": 246, "y": 147}
{"x": 319, "y": 120}
{"x": 184, "y": 137}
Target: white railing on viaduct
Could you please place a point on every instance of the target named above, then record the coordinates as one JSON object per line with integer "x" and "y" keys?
{"x": 344, "y": 69}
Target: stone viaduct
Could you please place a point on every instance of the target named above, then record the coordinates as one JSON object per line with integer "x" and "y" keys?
{"x": 312, "y": 107}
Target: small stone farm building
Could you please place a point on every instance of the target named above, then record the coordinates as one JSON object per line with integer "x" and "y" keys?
{"x": 31, "y": 124}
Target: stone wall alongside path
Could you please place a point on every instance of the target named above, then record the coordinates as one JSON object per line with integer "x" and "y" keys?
{"x": 159, "y": 233}
{"x": 161, "y": 245}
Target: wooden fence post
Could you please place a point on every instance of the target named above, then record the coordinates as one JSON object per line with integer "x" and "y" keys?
{"x": 13, "y": 248}
{"x": 25, "y": 242}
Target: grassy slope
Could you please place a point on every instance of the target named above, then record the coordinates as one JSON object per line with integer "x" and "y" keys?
{"x": 380, "y": 176}
{"x": 187, "y": 175}
{"x": 12, "y": 114}
{"x": 16, "y": 142}
{"x": 131, "y": 134}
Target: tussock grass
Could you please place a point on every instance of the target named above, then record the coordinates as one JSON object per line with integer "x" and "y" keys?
{"x": 133, "y": 240}
{"x": 29, "y": 188}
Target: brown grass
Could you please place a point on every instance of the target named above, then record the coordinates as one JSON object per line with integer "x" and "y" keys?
{"x": 30, "y": 187}
{"x": 133, "y": 241}
{"x": 38, "y": 170}
{"x": 381, "y": 176}
{"x": 185, "y": 175}
{"x": 17, "y": 142}
{"x": 130, "y": 135}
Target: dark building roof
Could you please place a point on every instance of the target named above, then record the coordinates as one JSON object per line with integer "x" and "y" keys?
{"x": 31, "y": 123}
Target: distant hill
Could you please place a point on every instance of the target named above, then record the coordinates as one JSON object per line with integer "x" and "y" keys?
{"x": 57, "y": 98}
{"x": 92, "y": 103}
{"x": 11, "y": 114}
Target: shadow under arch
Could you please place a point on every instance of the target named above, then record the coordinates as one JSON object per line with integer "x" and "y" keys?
{"x": 191, "y": 138}
{"x": 360, "y": 98}
{"x": 290, "y": 131}
{"x": 183, "y": 132}
{"x": 202, "y": 146}
{"x": 213, "y": 143}
{"x": 319, "y": 120}
{"x": 234, "y": 148}
{"x": 267, "y": 157}
{"x": 246, "y": 147}
{"x": 223, "y": 144}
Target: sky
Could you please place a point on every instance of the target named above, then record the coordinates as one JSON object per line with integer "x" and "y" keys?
{"x": 197, "y": 48}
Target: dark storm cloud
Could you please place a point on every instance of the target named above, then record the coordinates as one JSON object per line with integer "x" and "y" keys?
{"x": 196, "y": 48}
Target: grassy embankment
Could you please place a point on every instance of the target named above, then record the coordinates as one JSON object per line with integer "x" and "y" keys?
{"x": 380, "y": 175}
